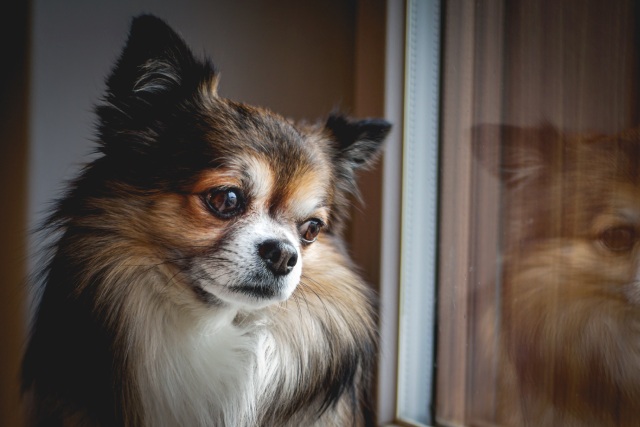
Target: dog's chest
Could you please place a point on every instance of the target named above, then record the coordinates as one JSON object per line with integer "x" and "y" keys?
{"x": 212, "y": 375}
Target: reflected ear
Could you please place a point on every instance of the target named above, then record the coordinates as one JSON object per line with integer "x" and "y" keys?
{"x": 358, "y": 141}
{"x": 515, "y": 154}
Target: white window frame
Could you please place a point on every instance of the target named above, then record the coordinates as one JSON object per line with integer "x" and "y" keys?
{"x": 409, "y": 234}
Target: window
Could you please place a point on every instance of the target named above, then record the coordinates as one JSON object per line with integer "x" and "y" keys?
{"x": 419, "y": 211}
{"x": 413, "y": 87}
{"x": 537, "y": 222}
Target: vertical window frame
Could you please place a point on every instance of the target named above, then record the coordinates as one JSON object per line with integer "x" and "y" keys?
{"x": 407, "y": 43}
{"x": 419, "y": 218}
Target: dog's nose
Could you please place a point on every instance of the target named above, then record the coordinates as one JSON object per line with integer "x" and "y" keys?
{"x": 279, "y": 256}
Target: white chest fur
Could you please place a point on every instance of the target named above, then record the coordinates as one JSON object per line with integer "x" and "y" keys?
{"x": 209, "y": 372}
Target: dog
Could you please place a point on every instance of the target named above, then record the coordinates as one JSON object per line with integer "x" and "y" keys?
{"x": 197, "y": 275}
{"x": 569, "y": 316}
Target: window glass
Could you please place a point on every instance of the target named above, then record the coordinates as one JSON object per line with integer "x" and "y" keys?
{"x": 539, "y": 254}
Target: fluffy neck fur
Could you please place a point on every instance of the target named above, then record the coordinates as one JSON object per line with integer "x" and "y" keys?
{"x": 173, "y": 360}
{"x": 198, "y": 371}
{"x": 222, "y": 366}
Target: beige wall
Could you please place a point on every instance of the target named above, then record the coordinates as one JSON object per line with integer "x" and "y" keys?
{"x": 369, "y": 66}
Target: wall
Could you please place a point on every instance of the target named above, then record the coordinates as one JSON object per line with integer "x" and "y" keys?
{"x": 14, "y": 39}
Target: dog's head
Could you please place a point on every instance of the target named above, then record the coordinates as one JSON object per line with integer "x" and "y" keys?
{"x": 233, "y": 196}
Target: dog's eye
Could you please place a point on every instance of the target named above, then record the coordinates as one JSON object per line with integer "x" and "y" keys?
{"x": 310, "y": 229}
{"x": 225, "y": 202}
{"x": 619, "y": 239}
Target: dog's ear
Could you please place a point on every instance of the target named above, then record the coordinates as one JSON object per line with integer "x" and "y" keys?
{"x": 358, "y": 141}
{"x": 357, "y": 144}
{"x": 155, "y": 62}
{"x": 155, "y": 73}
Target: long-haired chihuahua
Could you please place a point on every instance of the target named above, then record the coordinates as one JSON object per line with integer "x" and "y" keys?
{"x": 197, "y": 275}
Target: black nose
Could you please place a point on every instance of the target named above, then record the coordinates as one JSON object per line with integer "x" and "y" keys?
{"x": 279, "y": 256}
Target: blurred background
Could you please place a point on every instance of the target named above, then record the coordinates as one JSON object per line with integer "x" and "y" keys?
{"x": 299, "y": 58}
